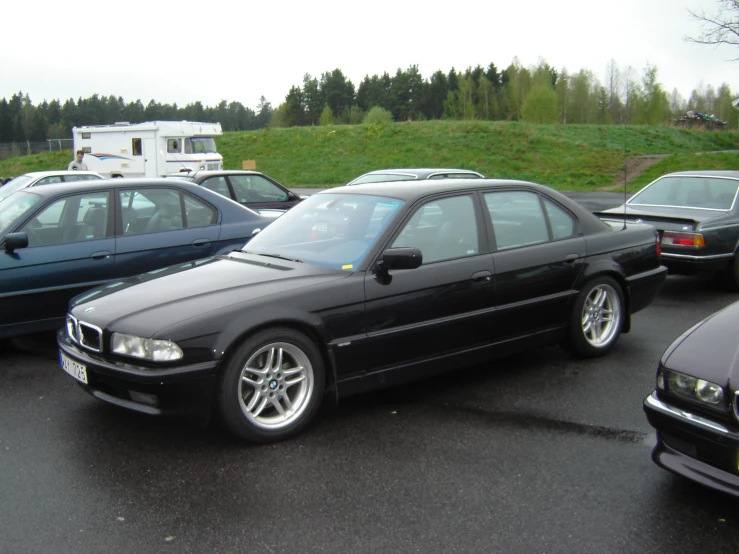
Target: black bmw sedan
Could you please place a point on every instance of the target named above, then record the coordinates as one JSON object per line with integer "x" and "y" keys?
{"x": 695, "y": 408}
{"x": 358, "y": 288}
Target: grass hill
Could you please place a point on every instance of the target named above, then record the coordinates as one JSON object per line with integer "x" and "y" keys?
{"x": 566, "y": 157}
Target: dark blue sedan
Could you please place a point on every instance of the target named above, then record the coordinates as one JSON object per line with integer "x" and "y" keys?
{"x": 58, "y": 241}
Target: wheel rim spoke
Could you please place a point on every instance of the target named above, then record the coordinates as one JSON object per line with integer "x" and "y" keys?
{"x": 601, "y": 315}
{"x": 276, "y": 385}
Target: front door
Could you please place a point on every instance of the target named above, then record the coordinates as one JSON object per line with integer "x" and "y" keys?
{"x": 70, "y": 249}
{"x": 444, "y": 306}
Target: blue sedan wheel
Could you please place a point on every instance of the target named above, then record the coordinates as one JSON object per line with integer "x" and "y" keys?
{"x": 272, "y": 385}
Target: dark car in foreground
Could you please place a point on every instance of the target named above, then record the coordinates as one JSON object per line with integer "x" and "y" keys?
{"x": 252, "y": 189}
{"x": 414, "y": 174}
{"x": 697, "y": 216}
{"x": 59, "y": 240}
{"x": 695, "y": 407}
{"x": 358, "y": 288}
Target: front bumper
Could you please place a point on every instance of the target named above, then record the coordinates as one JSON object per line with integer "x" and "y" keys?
{"x": 182, "y": 390}
{"x": 698, "y": 448}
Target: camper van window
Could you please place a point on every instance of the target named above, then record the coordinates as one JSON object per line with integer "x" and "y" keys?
{"x": 136, "y": 146}
{"x": 200, "y": 145}
{"x": 173, "y": 146}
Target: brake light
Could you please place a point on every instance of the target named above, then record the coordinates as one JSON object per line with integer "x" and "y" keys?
{"x": 683, "y": 239}
{"x": 659, "y": 248}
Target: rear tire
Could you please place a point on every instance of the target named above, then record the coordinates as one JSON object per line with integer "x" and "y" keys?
{"x": 597, "y": 318}
{"x": 272, "y": 386}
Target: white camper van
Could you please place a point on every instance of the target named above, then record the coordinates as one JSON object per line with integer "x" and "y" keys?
{"x": 152, "y": 149}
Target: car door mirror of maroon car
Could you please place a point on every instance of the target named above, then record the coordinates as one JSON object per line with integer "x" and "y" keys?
{"x": 15, "y": 241}
{"x": 399, "y": 258}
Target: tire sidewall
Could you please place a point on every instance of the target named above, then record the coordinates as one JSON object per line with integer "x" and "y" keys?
{"x": 227, "y": 396}
{"x": 577, "y": 343}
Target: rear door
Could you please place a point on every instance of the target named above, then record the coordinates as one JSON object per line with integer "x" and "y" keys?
{"x": 538, "y": 256}
{"x": 70, "y": 249}
{"x": 159, "y": 227}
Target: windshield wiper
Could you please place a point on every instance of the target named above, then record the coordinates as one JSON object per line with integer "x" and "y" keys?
{"x": 278, "y": 256}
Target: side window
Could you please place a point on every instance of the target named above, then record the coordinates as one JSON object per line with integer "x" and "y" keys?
{"x": 217, "y": 184}
{"x": 254, "y": 188}
{"x": 442, "y": 229}
{"x": 49, "y": 180}
{"x": 150, "y": 210}
{"x": 563, "y": 225}
{"x": 198, "y": 213}
{"x": 72, "y": 219}
{"x": 68, "y": 178}
{"x": 136, "y": 148}
{"x": 517, "y": 217}
{"x": 174, "y": 146}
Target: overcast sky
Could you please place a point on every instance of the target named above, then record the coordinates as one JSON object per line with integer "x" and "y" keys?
{"x": 180, "y": 52}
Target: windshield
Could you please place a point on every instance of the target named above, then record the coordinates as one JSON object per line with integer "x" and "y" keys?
{"x": 330, "y": 230}
{"x": 15, "y": 208}
{"x": 710, "y": 193}
{"x": 16, "y": 184}
{"x": 200, "y": 145}
{"x": 382, "y": 178}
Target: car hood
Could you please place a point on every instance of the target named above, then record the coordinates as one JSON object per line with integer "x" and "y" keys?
{"x": 709, "y": 350}
{"x": 148, "y": 303}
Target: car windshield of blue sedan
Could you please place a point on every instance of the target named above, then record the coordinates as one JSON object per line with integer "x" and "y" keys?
{"x": 710, "y": 193}
{"x": 330, "y": 230}
{"x": 15, "y": 207}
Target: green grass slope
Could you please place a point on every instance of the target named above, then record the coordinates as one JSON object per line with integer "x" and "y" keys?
{"x": 566, "y": 157}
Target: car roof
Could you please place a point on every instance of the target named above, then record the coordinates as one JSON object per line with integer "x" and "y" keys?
{"x": 705, "y": 173}
{"x": 420, "y": 172}
{"x": 81, "y": 186}
{"x": 36, "y": 174}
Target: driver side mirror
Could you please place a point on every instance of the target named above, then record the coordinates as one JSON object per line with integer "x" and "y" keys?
{"x": 15, "y": 241}
{"x": 400, "y": 258}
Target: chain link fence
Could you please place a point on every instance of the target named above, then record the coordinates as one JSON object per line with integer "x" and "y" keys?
{"x": 15, "y": 149}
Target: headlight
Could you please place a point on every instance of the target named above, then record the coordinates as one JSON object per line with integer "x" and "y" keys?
{"x": 690, "y": 388}
{"x": 148, "y": 349}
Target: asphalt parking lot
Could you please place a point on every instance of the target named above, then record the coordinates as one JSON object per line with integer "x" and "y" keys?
{"x": 535, "y": 453}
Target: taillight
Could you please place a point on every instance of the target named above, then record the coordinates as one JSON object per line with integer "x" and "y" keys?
{"x": 683, "y": 239}
{"x": 659, "y": 248}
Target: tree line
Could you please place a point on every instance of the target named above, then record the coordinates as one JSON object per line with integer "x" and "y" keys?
{"x": 536, "y": 94}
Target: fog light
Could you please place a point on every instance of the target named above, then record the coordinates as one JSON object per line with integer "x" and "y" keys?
{"x": 144, "y": 398}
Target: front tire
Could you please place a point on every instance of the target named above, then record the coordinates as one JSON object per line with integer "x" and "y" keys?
{"x": 272, "y": 386}
{"x": 597, "y": 318}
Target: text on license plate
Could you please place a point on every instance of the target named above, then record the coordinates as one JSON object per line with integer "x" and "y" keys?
{"x": 76, "y": 370}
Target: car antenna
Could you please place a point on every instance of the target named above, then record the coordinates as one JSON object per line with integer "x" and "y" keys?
{"x": 625, "y": 180}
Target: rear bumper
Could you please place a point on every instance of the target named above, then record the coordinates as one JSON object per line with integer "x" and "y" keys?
{"x": 688, "y": 263}
{"x": 643, "y": 288}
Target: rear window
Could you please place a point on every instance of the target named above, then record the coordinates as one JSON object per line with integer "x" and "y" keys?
{"x": 710, "y": 193}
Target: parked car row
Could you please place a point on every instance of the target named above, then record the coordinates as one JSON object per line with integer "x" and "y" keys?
{"x": 231, "y": 296}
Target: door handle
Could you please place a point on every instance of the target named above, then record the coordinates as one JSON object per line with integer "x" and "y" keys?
{"x": 570, "y": 258}
{"x": 481, "y": 277}
{"x": 102, "y": 255}
{"x": 200, "y": 242}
